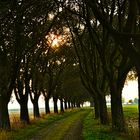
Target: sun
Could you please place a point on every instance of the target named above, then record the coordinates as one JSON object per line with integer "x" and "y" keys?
{"x": 55, "y": 41}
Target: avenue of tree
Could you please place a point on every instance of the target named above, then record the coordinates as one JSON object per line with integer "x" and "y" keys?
{"x": 99, "y": 45}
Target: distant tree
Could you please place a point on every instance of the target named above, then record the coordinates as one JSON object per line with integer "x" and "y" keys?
{"x": 56, "y": 60}
{"x": 130, "y": 101}
{"x": 72, "y": 87}
{"x": 132, "y": 75}
{"x": 123, "y": 100}
{"x": 135, "y": 101}
{"x": 92, "y": 75}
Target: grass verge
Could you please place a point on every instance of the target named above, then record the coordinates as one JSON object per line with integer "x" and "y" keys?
{"x": 22, "y": 131}
{"x": 131, "y": 118}
{"x": 93, "y": 130}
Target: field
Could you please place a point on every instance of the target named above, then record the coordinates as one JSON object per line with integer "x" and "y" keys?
{"x": 63, "y": 126}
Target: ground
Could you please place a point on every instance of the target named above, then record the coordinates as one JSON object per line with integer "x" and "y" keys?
{"x": 69, "y": 128}
{"x": 74, "y": 124}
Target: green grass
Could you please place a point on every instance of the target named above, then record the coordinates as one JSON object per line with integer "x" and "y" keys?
{"x": 92, "y": 128}
{"x": 24, "y": 132}
{"x": 130, "y": 111}
{"x": 131, "y": 117}
{"x": 61, "y": 129}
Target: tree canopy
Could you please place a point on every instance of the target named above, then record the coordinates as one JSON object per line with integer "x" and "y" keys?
{"x": 68, "y": 50}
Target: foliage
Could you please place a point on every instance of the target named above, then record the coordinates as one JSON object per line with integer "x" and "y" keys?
{"x": 132, "y": 75}
{"x": 130, "y": 101}
{"x": 105, "y": 35}
{"x": 135, "y": 101}
{"x": 72, "y": 87}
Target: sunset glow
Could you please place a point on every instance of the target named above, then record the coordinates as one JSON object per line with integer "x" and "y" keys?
{"x": 55, "y": 41}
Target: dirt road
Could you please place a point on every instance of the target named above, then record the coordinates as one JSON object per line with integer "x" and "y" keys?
{"x": 68, "y": 128}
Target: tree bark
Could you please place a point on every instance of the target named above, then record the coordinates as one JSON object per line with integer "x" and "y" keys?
{"x": 96, "y": 108}
{"x": 65, "y": 103}
{"x": 78, "y": 104}
{"x": 61, "y": 105}
{"x": 69, "y": 105}
{"x": 34, "y": 101}
{"x": 6, "y": 87}
{"x": 36, "y": 109}
{"x": 118, "y": 122}
{"x": 55, "y": 104}
{"x": 103, "y": 110}
{"x": 47, "y": 107}
{"x": 23, "y": 101}
{"x": 24, "y": 114}
{"x": 4, "y": 115}
{"x": 139, "y": 98}
{"x": 74, "y": 104}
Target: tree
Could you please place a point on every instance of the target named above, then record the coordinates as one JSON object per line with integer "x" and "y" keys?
{"x": 90, "y": 64}
{"x": 36, "y": 85}
{"x": 22, "y": 89}
{"x": 136, "y": 101}
{"x": 72, "y": 87}
{"x": 105, "y": 54}
{"x": 4, "y": 81}
{"x": 122, "y": 22}
{"x": 130, "y": 101}
{"x": 22, "y": 28}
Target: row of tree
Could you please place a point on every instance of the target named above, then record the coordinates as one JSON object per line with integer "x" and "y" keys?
{"x": 105, "y": 36}
{"x": 119, "y": 21}
{"x": 30, "y": 64}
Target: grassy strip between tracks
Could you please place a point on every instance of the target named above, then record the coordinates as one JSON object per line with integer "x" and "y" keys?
{"x": 25, "y": 132}
{"x": 58, "y": 132}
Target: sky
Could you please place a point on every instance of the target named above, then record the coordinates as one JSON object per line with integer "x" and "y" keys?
{"x": 13, "y": 104}
{"x": 130, "y": 91}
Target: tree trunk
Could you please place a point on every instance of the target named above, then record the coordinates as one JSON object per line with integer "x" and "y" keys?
{"x": 139, "y": 98}
{"x": 96, "y": 108}
{"x": 4, "y": 115}
{"x": 65, "y": 102}
{"x": 69, "y": 105}
{"x": 36, "y": 109}
{"x": 78, "y": 104}
{"x": 5, "y": 90}
{"x": 61, "y": 105}
{"x": 55, "y": 104}
{"x": 47, "y": 107}
{"x": 24, "y": 115}
{"x": 74, "y": 104}
{"x": 118, "y": 122}
{"x": 103, "y": 110}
